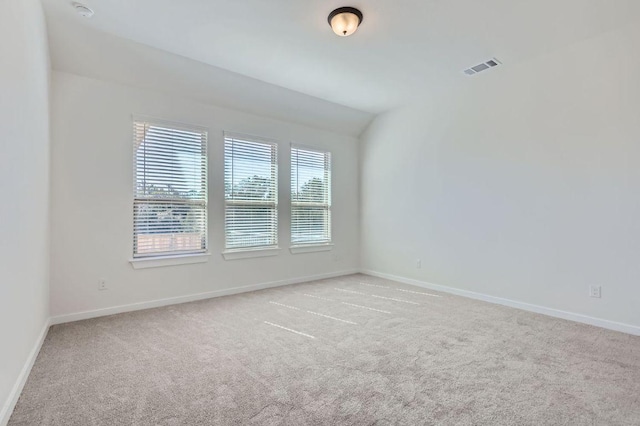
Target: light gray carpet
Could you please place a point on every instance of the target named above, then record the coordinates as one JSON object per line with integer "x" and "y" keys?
{"x": 345, "y": 351}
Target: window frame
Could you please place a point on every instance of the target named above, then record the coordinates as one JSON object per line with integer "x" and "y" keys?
{"x": 174, "y": 257}
{"x": 243, "y": 252}
{"x": 297, "y": 247}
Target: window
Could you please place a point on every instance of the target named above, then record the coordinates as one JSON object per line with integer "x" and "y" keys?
{"x": 310, "y": 196}
{"x": 170, "y": 189}
{"x": 251, "y": 192}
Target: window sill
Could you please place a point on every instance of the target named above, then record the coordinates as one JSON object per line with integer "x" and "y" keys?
{"x": 249, "y": 253}
{"x": 310, "y": 248}
{"x": 159, "y": 261}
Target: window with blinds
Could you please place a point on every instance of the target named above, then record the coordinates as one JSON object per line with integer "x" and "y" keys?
{"x": 310, "y": 196}
{"x": 251, "y": 192}
{"x": 170, "y": 189}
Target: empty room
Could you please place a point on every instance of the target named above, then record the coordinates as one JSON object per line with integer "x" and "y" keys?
{"x": 280, "y": 212}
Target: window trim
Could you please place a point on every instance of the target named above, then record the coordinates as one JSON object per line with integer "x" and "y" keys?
{"x": 142, "y": 261}
{"x": 247, "y": 253}
{"x": 311, "y": 246}
{"x": 160, "y": 261}
{"x": 233, "y": 253}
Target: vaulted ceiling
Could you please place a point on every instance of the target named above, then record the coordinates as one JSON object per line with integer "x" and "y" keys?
{"x": 404, "y": 49}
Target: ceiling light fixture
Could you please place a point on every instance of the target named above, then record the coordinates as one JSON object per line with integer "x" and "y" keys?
{"x": 82, "y": 10}
{"x": 345, "y": 20}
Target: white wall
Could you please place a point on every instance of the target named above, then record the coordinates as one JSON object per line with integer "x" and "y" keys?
{"x": 523, "y": 185}
{"x": 24, "y": 189}
{"x": 83, "y": 50}
{"x": 92, "y": 190}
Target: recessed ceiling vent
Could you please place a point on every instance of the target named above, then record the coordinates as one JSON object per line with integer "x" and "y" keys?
{"x": 491, "y": 63}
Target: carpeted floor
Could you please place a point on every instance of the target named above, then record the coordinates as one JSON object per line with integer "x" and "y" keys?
{"x": 354, "y": 350}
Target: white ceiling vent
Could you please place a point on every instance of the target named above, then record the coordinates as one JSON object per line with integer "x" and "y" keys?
{"x": 491, "y": 63}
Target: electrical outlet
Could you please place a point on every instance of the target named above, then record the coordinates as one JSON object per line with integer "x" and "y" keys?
{"x": 595, "y": 291}
{"x": 419, "y": 264}
{"x": 102, "y": 284}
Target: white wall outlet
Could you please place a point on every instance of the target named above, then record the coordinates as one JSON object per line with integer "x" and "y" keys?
{"x": 595, "y": 291}
{"x": 419, "y": 264}
{"x": 102, "y": 284}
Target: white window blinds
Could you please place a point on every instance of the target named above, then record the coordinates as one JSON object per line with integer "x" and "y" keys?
{"x": 251, "y": 192}
{"x": 170, "y": 189}
{"x": 310, "y": 196}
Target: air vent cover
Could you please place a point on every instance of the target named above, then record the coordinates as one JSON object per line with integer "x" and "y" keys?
{"x": 491, "y": 63}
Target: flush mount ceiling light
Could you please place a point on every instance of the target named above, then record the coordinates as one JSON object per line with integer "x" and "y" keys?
{"x": 82, "y": 10}
{"x": 345, "y": 20}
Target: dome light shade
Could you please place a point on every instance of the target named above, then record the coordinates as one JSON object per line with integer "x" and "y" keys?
{"x": 345, "y": 20}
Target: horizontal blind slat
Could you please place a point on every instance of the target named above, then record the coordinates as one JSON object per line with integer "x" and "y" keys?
{"x": 170, "y": 187}
{"x": 251, "y": 193}
{"x": 310, "y": 196}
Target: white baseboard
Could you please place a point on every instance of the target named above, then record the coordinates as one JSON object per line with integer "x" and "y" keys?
{"x": 60, "y": 319}
{"x": 571, "y": 316}
{"x": 12, "y": 400}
